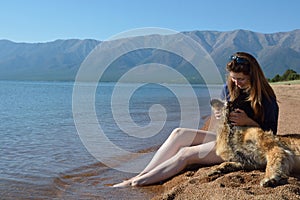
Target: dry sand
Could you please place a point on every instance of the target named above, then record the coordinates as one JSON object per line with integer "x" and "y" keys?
{"x": 194, "y": 183}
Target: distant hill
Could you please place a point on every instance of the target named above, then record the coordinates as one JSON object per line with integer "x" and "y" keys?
{"x": 61, "y": 59}
{"x": 57, "y": 60}
{"x": 276, "y": 52}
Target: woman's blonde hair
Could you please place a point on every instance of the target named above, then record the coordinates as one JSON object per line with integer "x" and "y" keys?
{"x": 248, "y": 65}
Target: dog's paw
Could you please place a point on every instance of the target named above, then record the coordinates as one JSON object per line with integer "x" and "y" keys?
{"x": 266, "y": 182}
{"x": 273, "y": 182}
{"x": 215, "y": 172}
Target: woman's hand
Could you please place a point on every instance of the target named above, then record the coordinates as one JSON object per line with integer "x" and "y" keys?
{"x": 239, "y": 118}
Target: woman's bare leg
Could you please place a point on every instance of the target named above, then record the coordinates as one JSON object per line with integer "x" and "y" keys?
{"x": 199, "y": 154}
{"x": 179, "y": 138}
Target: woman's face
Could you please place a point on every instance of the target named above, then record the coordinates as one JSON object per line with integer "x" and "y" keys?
{"x": 240, "y": 80}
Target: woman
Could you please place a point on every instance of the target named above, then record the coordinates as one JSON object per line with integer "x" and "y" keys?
{"x": 255, "y": 104}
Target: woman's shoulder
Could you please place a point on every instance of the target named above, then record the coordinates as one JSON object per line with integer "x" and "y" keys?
{"x": 270, "y": 103}
{"x": 270, "y": 99}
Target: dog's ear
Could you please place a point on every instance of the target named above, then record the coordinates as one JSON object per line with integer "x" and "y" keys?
{"x": 217, "y": 103}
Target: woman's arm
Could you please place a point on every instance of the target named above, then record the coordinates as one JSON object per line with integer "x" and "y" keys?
{"x": 271, "y": 111}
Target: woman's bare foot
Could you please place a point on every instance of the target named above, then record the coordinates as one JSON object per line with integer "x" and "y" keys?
{"x": 128, "y": 182}
{"x": 125, "y": 183}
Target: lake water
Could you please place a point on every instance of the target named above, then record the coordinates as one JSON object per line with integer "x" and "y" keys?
{"x": 43, "y": 155}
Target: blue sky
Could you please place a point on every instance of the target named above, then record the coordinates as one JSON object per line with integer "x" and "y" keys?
{"x": 48, "y": 20}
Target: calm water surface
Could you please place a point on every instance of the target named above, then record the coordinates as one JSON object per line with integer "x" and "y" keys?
{"x": 42, "y": 156}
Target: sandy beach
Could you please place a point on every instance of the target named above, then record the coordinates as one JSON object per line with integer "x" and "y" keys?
{"x": 195, "y": 184}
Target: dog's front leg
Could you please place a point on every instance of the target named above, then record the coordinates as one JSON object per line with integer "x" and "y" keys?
{"x": 226, "y": 167}
{"x": 279, "y": 165}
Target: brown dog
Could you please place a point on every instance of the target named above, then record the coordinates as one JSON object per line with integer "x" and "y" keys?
{"x": 252, "y": 148}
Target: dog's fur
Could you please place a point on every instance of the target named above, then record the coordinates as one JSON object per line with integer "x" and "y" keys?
{"x": 252, "y": 148}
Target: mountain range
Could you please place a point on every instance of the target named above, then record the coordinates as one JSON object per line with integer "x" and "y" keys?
{"x": 60, "y": 60}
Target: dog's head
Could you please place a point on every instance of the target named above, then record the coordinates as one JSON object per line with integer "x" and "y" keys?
{"x": 223, "y": 107}
{"x": 217, "y": 104}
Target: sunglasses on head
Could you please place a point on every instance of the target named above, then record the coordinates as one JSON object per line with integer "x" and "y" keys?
{"x": 239, "y": 60}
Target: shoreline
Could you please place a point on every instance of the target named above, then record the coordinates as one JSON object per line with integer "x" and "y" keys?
{"x": 194, "y": 183}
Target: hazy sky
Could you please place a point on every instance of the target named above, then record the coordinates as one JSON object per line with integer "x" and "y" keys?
{"x": 48, "y": 20}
